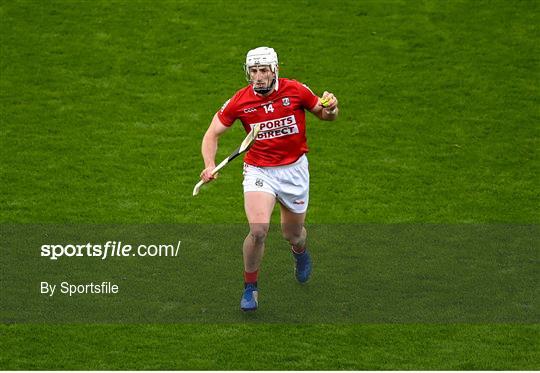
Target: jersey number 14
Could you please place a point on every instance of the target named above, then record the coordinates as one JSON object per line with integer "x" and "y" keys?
{"x": 268, "y": 108}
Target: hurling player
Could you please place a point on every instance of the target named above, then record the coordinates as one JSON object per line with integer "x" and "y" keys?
{"x": 276, "y": 166}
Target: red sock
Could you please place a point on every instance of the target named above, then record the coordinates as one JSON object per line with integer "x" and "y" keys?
{"x": 250, "y": 277}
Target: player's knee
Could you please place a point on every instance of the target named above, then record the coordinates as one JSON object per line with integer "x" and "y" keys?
{"x": 258, "y": 233}
{"x": 294, "y": 237}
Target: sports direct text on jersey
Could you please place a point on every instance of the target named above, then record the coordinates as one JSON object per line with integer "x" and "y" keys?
{"x": 277, "y": 128}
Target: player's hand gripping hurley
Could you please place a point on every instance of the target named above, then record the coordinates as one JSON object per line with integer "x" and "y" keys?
{"x": 248, "y": 141}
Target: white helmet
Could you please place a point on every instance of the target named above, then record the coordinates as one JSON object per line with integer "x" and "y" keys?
{"x": 263, "y": 56}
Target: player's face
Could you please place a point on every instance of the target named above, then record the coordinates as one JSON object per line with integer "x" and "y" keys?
{"x": 261, "y": 76}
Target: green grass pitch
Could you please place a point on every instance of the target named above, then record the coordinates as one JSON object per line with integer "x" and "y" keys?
{"x": 104, "y": 104}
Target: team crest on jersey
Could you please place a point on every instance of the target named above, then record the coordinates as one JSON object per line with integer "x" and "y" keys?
{"x": 286, "y": 101}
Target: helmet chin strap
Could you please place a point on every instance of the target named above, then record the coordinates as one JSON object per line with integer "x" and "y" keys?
{"x": 263, "y": 91}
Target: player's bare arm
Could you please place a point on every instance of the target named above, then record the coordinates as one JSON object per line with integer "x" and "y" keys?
{"x": 209, "y": 148}
{"x": 327, "y": 107}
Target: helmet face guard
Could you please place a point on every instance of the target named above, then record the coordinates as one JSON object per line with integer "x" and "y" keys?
{"x": 262, "y": 56}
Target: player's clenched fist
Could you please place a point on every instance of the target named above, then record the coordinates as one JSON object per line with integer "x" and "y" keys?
{"x": 329, "y": 101}
{"x": 206, "y": 174}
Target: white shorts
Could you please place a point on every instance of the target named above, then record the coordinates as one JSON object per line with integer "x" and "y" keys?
{"x": 289, "y": 183}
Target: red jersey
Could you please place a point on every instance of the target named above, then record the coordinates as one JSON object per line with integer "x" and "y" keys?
{"x": 282, "y": 119}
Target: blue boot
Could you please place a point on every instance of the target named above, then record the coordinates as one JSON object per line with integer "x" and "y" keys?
{"x": 302, "y": 269}
{"x": 249, "y": 298}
